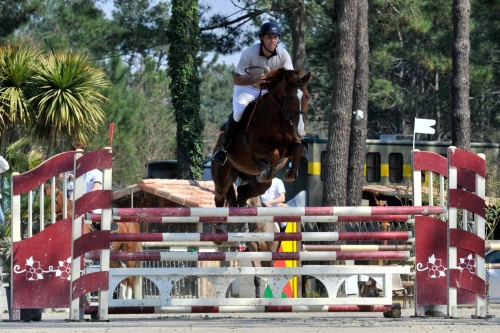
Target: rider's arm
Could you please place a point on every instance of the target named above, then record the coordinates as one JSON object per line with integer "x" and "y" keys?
{"x": 243, "y": 80}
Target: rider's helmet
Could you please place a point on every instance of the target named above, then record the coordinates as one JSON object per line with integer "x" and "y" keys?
{"x": 270, "y": 28}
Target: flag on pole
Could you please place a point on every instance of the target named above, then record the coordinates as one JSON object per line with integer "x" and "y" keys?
{"x": 424, "y": 126}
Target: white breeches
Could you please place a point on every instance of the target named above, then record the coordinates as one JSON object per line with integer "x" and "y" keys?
{"x": 242, "y": 96}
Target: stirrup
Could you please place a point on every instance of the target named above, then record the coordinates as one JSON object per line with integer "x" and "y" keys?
{"x": 217, "y": 156}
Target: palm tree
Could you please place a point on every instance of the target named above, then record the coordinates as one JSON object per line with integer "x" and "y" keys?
{"x": 18, "y": 65}
{"x": 68, "y": 101}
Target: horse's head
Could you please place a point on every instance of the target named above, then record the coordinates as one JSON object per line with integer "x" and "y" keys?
{"x": 288, "y": 91}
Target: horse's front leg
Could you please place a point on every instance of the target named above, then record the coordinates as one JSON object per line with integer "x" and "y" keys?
{"x": 298, "y": 150}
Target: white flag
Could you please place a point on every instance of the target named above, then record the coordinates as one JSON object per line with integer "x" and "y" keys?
{"x": 424, "y": 126}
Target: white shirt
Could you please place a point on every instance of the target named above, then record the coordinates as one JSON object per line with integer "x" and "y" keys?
{"x": 277, "y": 187}
{"x": 91, "y": 177}
{"x": 251, "y": 57}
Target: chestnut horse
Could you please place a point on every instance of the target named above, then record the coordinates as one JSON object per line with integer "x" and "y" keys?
{"x": 126, "y": 286}
{"x": 270, "y": 133}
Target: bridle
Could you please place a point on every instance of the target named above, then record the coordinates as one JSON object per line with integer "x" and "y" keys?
{"x": 285, "y": 109}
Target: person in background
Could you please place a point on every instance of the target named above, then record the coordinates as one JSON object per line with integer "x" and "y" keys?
{"x": 92, "y": 181}
{"x": 71, "y": 181}
{"x": 266, "y": 55}
{"x": 275, "y": 197}
{"x": 4, "y": 166}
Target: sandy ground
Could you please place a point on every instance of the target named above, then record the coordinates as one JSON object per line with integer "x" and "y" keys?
{"x": 265, "y": 322}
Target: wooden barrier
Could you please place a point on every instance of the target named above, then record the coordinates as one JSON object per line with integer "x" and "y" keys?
{"x": 46, "y": 267}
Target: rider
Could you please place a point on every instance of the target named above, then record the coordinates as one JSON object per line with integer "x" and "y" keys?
{"x": 266, "y": 55}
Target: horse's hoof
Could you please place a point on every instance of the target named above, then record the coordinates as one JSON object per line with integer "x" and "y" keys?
{"x": 259, "y": 178}
{"x": 263, "y": 177}
{"x": 395, "y": 312}
{"x": 287, "y": 177}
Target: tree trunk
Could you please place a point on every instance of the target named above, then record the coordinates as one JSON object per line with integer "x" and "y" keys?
{"x": 360, "y": 106}
{"x": 298, "y": 25}
{"x": 460, "y": 113}
{"x": 340, "y": 122}
{"x": 183, "y": 65}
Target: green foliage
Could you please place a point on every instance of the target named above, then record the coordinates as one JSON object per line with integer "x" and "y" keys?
{"x": 141, "y": 110}
{"x": 68, "y": 98}
{"x": 185, "y": 87}
{"x": 18, "y": 65}
{"x": 55, "y": 95}
{"x": 216, "y": 100}
{"x": 492, "y": 218}
{"x": 14, "y": 13}
{"x": 77, "y": 25}
{"x": 140, "y": 25}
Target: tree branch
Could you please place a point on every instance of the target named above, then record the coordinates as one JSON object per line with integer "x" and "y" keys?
{"x": 228, "y": 23}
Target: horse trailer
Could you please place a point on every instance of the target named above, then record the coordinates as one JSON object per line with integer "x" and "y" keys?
{"x": 387, "y": 169}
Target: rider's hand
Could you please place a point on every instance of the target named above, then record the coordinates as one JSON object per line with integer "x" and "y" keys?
{"x": 260, "y": 79}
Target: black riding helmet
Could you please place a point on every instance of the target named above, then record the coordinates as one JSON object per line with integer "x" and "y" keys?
{"x": 270, "y": 28}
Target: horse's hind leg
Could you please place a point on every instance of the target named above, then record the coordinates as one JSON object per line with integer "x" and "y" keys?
{"x": 231, "y": 200}
{"x": 223, "y": 177}
{"x": 251, "y": 189}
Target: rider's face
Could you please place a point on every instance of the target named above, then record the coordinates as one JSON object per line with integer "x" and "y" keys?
{"x": 270, "y": 41}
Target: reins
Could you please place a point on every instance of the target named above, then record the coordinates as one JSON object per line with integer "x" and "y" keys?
{"x": 285, "y": 110}
{"x": 254, "y": 108}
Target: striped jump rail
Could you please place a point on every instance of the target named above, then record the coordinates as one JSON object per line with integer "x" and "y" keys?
{"x": 92, "y": 310}
{"x": 266, "y": 237}
{"x": 251, "y": 256}
{"x": 357, "y": 248}
{"x": 252, "y": 219}
{"x": 403, "y": 247}
{"x": 124, "y": 213}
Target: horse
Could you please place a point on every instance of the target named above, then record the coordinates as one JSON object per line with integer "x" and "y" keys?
{"x": 126, "y": 286}
{"x": 270, "y": 133}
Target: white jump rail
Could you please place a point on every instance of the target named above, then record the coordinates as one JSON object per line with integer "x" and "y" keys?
{"x": 221, "y": 278}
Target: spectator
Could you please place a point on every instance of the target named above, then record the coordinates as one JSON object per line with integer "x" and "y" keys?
{"x": 92, "y": 181}
{"x": 275, "y": 197}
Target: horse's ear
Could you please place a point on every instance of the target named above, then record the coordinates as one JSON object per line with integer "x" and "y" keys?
{"x": 306, "y": 78}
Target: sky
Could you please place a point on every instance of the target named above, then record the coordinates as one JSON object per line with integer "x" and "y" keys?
{"x": 224, "y": 7}
{"x": 218, "y": 6}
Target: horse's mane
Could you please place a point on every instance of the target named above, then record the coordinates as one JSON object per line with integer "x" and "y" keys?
{"x": 276, "y": 76}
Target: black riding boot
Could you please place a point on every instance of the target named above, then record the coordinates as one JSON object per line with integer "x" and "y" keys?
{"x": 220, "y": 155}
